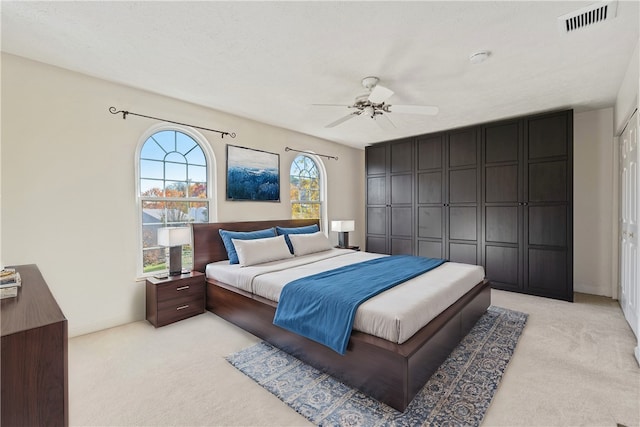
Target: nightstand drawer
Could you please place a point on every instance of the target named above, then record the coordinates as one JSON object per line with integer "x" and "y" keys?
{"x": 174, "y": 310}
{"x": 179, "y": 289}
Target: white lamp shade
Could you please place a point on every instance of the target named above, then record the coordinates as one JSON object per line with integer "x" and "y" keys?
{"x": 342, "y": 226}
{"x": 174, "y": 236}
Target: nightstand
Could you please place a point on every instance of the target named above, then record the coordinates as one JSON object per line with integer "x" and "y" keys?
{"x": 353, "y": 248}
{"x": 175, "y": 298}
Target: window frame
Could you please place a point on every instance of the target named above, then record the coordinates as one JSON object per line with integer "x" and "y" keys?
{"x": 204, "y": 144}
{"x": 322, "y": 176}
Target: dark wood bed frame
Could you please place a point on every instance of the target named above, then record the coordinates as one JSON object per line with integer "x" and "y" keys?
{"x": 392, "y": 373}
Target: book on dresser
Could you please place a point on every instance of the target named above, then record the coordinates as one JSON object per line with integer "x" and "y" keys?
{"x": 10, "y": 281}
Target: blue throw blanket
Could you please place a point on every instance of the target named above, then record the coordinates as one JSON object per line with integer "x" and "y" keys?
{"x": 322, "y": 306}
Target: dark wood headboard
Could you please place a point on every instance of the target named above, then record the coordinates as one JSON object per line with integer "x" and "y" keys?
{"x": 207, "y": 243}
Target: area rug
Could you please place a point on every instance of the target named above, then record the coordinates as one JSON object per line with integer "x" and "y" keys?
{"x": 457, "y": 394}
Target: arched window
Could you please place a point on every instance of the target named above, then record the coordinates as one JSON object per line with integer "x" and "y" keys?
{"x": 174, "y": 190}
{"x": 306, "y": 188}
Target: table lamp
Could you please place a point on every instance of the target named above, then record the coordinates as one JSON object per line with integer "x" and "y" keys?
{"x": 343, "y": 228}
{"x": 174, "y": 238}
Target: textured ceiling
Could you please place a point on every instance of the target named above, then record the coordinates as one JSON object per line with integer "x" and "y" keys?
{"x": 270, "y": 61}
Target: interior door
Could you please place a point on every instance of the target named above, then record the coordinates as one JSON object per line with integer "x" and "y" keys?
{"x": 629, "y": 294}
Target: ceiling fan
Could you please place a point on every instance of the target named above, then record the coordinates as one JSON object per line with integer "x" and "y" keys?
{"x": 373, "y": 104}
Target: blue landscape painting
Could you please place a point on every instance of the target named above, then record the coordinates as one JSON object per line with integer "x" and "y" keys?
{"x": 252, "y": 175}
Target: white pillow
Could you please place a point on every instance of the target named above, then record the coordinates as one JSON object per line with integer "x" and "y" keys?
{"x": 304, "y": 244}
{"x": 257, "y": 251}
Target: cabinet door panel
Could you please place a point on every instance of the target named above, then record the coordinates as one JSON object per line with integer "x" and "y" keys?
{"x": 548, "y": 225}
{"x": 460, "y": 252}
{"x": 401, "y": 247}
{"x": 502, "y": 265}
{"x": 430, "y": 187}
{"x": 401, "y": 221}
{"x": 463, "y": 223}
{"x": 548, "y": 182}
{"x": 376, "y": 159}
{"x": 548, "y": 136}
{"x": 401, "y": 157}
{"x": 430, "y": 153}
{"x": 377, "y": 220}
{"x": 376, "y": 191}
{"x": 462, "y": 186}
{"x": 548, "y": 271}
{"x": 501, "y": 143}
{"x": 430, "y": 249}
{"x": 401, "y": 188}
{"x": 501, "y": 224}
{"x": 430, "y": 222}
{"x": 462, "y": 148}
{"x": 377, "y": 245}
{"x": 501, "y": 184}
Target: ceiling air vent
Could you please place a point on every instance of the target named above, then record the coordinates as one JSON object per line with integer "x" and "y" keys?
{"x": 587, "y": 16}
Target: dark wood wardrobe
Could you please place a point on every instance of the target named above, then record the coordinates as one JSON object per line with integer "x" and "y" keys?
{"x": 497, "y": 194}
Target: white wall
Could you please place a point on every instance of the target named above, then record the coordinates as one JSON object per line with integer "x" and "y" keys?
{"x": 627, "y": 99}
{"x": 592, "y": 201}
{"x": 68, "y": 183}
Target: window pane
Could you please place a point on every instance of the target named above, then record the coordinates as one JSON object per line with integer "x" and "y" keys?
{"x": 175, "y": 171}
{"x": 197, "y": 173}
{"x": 305, "y": 210}
{"x": 166, "y": 140}
{"x": 184, "y": 143}
{"x": 154, "y": 260}
{"x": 151, "y": 188}
{"x": 175, "y": 189}
{"x": 151, "y": 150}
{"x": 198, "y": 189}
{"x": 151, "y": 169}
{"x": 196, "y": 157}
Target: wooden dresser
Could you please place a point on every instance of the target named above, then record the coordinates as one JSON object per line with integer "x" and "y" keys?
{"x": 34, "y": 365}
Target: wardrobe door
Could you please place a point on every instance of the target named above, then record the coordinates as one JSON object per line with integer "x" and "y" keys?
{"x": 462, "y": 204}
{"x": 430, "y": 205}
{"x": 400, "y": 205}
{"x": 548, "y": 211}
{"x": 376, "y": 197}
{"x": 503, "y": 204}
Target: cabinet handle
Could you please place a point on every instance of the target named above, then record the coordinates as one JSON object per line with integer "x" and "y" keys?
{"x": 182, "y": 288}
{"x": 182, "y": 307}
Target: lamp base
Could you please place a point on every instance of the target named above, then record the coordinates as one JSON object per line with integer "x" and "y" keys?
{"x": 343, "y": 239}
{"x": 175, "y": 260}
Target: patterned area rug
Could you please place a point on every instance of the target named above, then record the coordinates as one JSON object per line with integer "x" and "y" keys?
{"x": 458, "y": 393}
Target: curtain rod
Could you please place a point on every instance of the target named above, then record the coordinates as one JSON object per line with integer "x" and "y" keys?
{"x": 113, "y": 110}
{"x": 310, "y": 152}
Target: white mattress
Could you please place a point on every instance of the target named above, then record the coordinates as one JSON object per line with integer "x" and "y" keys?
{"x": 395, "y": 315}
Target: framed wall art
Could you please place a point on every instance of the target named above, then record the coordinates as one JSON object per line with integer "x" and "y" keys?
{"x": 252, "y": 175}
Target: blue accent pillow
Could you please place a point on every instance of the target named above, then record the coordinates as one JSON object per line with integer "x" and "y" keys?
{"x": 242, "y": 235}
{"x": 308, "y": 229}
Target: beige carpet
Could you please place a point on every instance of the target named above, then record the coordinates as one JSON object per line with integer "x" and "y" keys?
{"x": 574, "y": 365}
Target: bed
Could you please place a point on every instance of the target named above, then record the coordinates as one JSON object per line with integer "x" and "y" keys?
{"x": 389, "y": 371}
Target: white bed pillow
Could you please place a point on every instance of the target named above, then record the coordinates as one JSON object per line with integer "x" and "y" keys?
{"x": 304, "y": 244}
{"x": 257, "y": 251}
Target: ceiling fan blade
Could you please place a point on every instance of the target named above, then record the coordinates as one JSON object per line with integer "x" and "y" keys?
{"x": 379, "y": 94}
{"x": 384, "y": 122}
{"x": 343, "y": 119}
{"x": 330, "y": 105}
{"x": 413, "y": 109}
